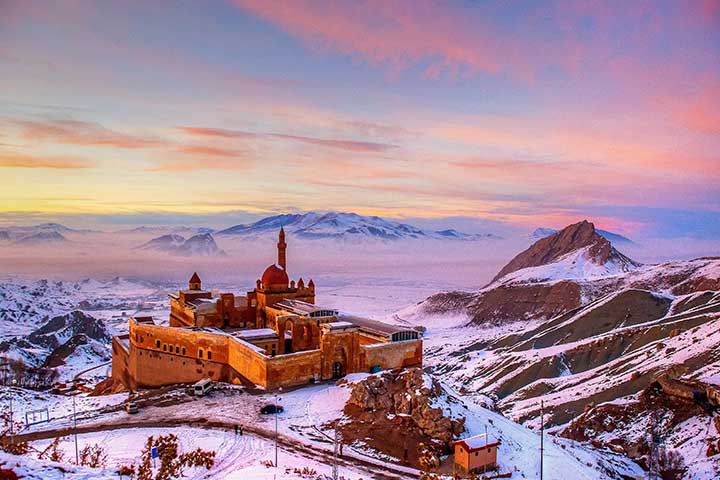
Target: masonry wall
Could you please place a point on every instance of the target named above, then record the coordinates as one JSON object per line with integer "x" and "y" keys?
{"x": 155, "y": 369}
{"x": 120, "y": 362}
{"x": 293, "y": 369}
{"x": 247, "y": 362}
{"x": 403, "y": 354}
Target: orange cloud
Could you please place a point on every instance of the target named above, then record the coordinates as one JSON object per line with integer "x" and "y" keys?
{"x": 207, "y": 151}
{"x": 19, "y": 160}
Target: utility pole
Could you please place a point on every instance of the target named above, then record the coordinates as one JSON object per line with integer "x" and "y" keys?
{"x": 335, "y": 453}
{"x": 77, "y": 457}
{"x": 487, "y": 442}
{"x": 542, "y": 434}
{"x": 277, "y": 413}
{"x": 12, "y": 417}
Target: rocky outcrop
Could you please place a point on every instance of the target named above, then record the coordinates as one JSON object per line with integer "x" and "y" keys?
{"x": 570, "y": 239}
{"x": 400, "y": 408}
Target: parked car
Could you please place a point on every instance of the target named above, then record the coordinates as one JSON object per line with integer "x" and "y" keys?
{"x": 131, "y": 407}
{"x": 270, "y": 409}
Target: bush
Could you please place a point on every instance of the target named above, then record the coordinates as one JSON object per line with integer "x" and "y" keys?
{"x": 172, "y": 465}
{"x": 53, "y": 452}
{"x": 93, "y": 456}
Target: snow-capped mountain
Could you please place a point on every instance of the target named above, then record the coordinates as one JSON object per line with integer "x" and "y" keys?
{"x": 576, "y": 252}
{"x": 41, "y": 238}
{"x": 197, "y": 245}
{"x": 39, "y": 235}
{"x": 615, "y": 238}
{"x": 341, "y": 225}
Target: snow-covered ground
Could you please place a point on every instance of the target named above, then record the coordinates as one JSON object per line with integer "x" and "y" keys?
{"x": 238, "y": 457}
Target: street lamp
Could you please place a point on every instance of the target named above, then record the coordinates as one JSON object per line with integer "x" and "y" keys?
{"x": 277, "y": 413}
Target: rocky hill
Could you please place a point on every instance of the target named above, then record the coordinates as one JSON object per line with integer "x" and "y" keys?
{"x": 559, "y": 273}
{"x": 575, "y": 243}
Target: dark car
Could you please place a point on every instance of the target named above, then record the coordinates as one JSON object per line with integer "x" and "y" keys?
{"x": 269, "y": 409}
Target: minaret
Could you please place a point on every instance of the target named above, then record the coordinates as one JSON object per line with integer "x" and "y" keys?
{"x": 282, "y": 247}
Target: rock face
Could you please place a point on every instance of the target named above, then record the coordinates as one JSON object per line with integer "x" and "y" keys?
{"x": 570, "y": 239}
{"x": 399, "y": 407}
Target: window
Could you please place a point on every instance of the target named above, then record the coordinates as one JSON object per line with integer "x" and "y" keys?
{"x": 476, "y": 453}
{"x": 183, "y": 350}
{"x": 488, "y": 450}
{"x": 164, "y": 347}
{"x": 157, "y": 343}
{"x": 209, "y": 355}
{"x": 200, "y": 353}
{"x": 177, "y": 349}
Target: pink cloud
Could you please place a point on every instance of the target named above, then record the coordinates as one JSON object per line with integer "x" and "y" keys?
{"x": 76, "y": 132}
{"x": 342, "y": 144}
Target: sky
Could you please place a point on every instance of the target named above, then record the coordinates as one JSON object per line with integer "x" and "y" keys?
{"x": 518, "y": 113}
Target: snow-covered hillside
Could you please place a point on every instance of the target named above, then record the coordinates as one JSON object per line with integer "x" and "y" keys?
{"x": 575, "y": 333}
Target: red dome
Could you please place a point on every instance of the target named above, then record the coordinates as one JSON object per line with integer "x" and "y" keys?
{"x": 274, "y": 275}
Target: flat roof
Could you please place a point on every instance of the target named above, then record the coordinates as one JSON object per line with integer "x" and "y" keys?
{"x": 301, "y": 308}
{"x": 334, "y": 325}
{"x": 476, "y": 442}
{"x": 256, "y": 333}
{"x": 368, "y": 324}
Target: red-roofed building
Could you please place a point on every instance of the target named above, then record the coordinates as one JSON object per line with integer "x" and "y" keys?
{"x": 473, "y": 454}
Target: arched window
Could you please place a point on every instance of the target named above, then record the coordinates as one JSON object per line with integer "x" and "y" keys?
{"x": 200, "y": 353}
{"x": 157, "y": 343}
{"x": 209, "y": 355}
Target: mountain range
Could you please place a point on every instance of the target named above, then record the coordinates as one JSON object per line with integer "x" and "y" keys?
{"x": 341, "y": 225}
{"x": 617, "y": 351}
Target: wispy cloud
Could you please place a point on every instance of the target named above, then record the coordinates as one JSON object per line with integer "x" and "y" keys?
{"x": 342, "y": 144}
{"x": 19, "y": 160}
{"x": 77, "y": 132}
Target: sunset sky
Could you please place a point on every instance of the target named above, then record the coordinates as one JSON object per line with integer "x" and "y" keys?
{"x": 526, "y": 113}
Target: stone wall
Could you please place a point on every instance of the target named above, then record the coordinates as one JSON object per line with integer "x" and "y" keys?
{"x": 389, "y": 355}
{"x": 293, "y": 369}
{"x": 120, "y": 362}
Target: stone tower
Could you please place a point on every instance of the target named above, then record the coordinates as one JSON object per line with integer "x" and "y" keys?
{"x": 282, "y": 248}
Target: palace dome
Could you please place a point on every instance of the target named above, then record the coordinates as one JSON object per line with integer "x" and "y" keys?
{"x": 274, "y": 275}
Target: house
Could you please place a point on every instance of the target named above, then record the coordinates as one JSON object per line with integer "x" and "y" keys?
{"x": 475, "y": 454}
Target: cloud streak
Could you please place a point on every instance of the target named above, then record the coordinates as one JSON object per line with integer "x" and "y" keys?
{"x": 19, "y": 160}
{"x": 76, "y": 132}
{"x": 341, "y": 144}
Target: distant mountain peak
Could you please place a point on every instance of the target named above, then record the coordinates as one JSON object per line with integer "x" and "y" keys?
{"x": 48, "y": 237}
{"x": 202, "y": 244}
{"x": 573, "y": 238}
